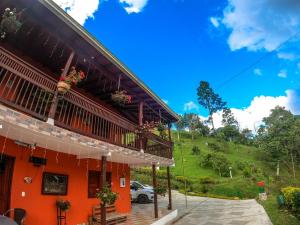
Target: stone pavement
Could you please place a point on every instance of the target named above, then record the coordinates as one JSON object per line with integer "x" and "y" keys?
{"x": 225, "y": 212}
{"x": 203, "y": 211}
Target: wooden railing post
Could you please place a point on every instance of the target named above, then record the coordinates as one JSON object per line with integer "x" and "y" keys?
{"x": 169, "y": 188}
{"x": 53, "y": 107}
{"x": 103, "y": 182}
{"x": 154, "y": 189}
{"x": 141, "y": 115}
{"x": 170, "y": 140}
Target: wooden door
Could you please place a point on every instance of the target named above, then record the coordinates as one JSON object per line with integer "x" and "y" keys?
{"x": 6, "y": 173}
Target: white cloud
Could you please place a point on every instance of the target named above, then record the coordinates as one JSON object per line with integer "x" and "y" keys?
{"x": 257, "y": 72}
{"x": 190, "y": 106}
{"x": 80, "y": 10}
{"x": 294, "y": 101}
{"x": 282, "y": 74}
{"x": 287, "y": 56}
{"x": 133, "y": 6}
{"x": 260, "y": 107}
{"x": 214, "y": 21}
{"x": 261, "y": 24}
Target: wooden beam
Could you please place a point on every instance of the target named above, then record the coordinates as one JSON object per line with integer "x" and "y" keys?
{"x": 55, "y": 97}
{"x": 154, "y": 188}
{"x": 103, "y": 182}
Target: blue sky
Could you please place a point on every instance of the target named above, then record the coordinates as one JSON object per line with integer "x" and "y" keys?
{"x": 174, "y": 44}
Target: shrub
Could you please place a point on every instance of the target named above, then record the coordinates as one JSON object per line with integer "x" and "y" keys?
{"x": 195, "y": 150}
{"x": 204, "y": 188}
{"x": 214, "y": 147}
{"x": 289, "y": 196}
{"x": 207, "y": 180}
{"x": 247, "y": 172}
{"x": 218, "y": 162}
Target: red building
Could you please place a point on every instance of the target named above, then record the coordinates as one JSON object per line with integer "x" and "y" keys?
{"x": 66, "y": 145}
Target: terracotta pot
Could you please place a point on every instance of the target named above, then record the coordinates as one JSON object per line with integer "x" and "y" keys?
{"x": 63, "y": 87}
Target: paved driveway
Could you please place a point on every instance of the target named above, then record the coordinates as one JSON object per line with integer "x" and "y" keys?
{"x": 209, "y": 211}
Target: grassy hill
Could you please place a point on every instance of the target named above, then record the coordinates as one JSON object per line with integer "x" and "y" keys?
{"x": 205, "y": 181}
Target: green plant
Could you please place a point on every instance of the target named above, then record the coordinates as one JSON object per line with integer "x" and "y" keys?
{"x": 207, "y": 180}
{"x": 161, "y": 190}
{"x": 63, "y": 205}
{"x": 9, "y": 22}
{"x": 121, "y": 97}
{"x": 106, "y": 196}
{"x": 289, "y": 196}
{"x": 204, "y": 188}
{"x": 195, "y": 150}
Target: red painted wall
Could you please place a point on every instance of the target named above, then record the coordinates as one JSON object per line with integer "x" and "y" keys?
{"x": 40, "y": 208}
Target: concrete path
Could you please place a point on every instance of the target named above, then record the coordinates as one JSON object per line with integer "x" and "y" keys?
{"x": 209, "y": 211}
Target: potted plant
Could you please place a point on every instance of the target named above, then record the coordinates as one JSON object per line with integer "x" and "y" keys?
{"x": 147, "y": 127}
{"x": 73, "y": 77}
{"x": 121, "y": 97}
{"x": 63, "y": 205}
{"x": 9, "y": 22}
{"x": 161, "y": 128}
{"x": 106, "y": 195}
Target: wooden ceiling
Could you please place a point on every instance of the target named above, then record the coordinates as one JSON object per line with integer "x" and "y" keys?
{"x": 48, "y": 41}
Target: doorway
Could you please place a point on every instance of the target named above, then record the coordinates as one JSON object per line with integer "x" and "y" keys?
{"x": 6, "y": 173}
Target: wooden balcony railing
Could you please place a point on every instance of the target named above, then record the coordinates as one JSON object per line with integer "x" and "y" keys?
{"x": 31, "y": 91}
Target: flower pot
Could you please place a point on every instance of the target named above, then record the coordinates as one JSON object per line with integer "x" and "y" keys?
{"x": 63, "y": 87}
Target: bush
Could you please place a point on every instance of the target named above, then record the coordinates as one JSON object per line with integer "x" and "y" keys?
{"x": 289, "y": 196}
{"x": 207, "y": 180}
{"x": 218, "y": 162}
{"x": 204, "y": 188}
{"x": 195, "y": 150}
{"x": 214, "y": 147}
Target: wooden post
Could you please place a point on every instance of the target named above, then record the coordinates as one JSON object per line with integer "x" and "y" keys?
{"x": 141, "y": 115}
{"x": 103, "y": 182}
{"x": 170, "y": 139}
{"x": 53, "y": 107}
{"x": 169, "y": 188}
{"x": 154, "y": 188}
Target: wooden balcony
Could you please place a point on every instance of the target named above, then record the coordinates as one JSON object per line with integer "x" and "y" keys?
{"x": 31, "y": 91}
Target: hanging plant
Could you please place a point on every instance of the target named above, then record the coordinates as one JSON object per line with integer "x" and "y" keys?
{"x": 147, "y": 127}
{"x": 161, "y": 128}
{"x": 73, "y": 77}
{"x": 63, "y": 205}
{"x": 9, "y": 23}
{"x": 121, "y": 97}
{"x": 106, "y": 195}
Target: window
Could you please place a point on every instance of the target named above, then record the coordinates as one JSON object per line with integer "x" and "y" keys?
{"x": 94, "y": 182}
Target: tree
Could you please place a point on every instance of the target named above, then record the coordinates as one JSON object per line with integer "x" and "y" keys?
{"x": 192, "y": 121}
{"x": 208, "y": 99}
{"x": 180, "y": 125}
{"x": 228, "y": 118}
{"x": 279, "y": 136}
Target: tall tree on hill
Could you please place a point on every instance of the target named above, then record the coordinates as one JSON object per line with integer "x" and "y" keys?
{"x": 192, "y": 121}
{"x": 209, "y": 100}
{"x": 180, "y": 125}
{"x": 228, "y": 118}
{"x": 278, "y": 138}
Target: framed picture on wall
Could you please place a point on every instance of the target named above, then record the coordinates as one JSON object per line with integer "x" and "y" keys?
{"x": 54, "y": 184}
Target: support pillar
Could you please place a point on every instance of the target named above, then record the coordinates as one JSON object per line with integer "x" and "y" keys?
{"x": 154, "y": 188}
{"x": 53, "y": 107}
{"x": 169, "y": 188}
{"x": 103, "y": 182}
{"x": 141, "y": 115}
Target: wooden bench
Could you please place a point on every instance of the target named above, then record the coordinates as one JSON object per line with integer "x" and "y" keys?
{"x": 111, "y": 216}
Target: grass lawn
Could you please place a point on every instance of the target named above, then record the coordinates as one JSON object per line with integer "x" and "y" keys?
{"x": 277, "y": 216}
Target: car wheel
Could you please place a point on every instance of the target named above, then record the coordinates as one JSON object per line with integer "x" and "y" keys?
{"x": 142, "y": 199}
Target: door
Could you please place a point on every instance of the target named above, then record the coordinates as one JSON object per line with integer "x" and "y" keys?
{"x": 6, "y": 173}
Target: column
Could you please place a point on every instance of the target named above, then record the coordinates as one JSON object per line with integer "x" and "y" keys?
{"x": 154, "y": 188}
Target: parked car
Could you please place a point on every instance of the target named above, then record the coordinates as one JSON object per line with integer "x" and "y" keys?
{"x": 141, "y": 193}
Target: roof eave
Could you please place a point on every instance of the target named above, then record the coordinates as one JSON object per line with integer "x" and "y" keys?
{"x": 54, "y": 8}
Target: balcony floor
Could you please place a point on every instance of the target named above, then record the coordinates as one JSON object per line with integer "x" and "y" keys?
{"x": 21, "y": 127}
